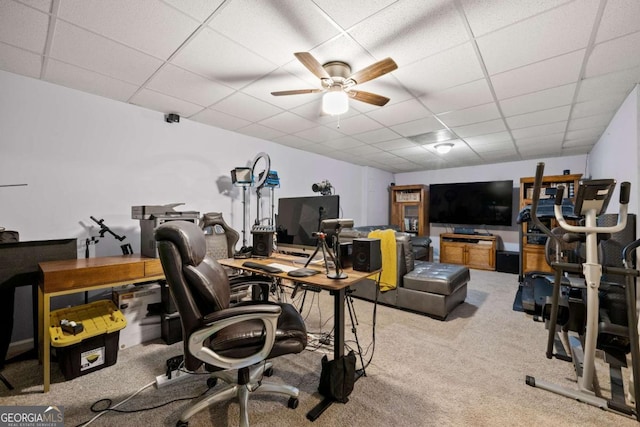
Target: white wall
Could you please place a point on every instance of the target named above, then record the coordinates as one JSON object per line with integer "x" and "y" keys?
{"x": 494, "y": 172}
{"x": 616, "y": 155}
{"x": 82, "y": 155}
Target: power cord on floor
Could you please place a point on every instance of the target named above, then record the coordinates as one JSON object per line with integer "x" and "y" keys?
{"x": 110, "y": 408}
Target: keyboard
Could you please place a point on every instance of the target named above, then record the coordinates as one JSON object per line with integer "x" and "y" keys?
{"x": 263, "y": 267}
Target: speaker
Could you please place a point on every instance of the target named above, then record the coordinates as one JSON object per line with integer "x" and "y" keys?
{"x": 507, "y": 262}
{"x": 366, "y": 255}
{"x": 346, "y": 255}
{"x": 262, "y": 244}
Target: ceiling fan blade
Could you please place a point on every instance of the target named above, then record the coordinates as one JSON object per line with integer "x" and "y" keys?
{"x": 373, "y": 71}
{"x": 312, "y": 65}
{"x": 368, "y": 97}
{"x": 296, "y": 92}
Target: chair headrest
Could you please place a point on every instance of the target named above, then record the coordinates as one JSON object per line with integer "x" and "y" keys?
{"x": 188, "y": 238}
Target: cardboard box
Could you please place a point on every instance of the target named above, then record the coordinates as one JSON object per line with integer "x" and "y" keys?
{"x": 142, "y": 307}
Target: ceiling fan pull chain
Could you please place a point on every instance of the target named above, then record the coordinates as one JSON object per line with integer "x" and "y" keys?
{"x": 338, "y": 126}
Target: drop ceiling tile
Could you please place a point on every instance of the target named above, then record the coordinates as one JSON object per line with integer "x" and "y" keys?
{"x": 22, "y": 26}
{"x": 523, "y": 43}
{"x": 362, "y": 150}
{"x": 319, "y": 134}
{"x": 427, "y": 28}
{"x": 585, "y": 133}
{"x": 489, "y": 138}
{"x": 459, "y": 97}
{"x": 358, "y": 124}
{"x": 597, "y": 121}
{"x": 606, "y": 85}
{"x": 377, "y": 135}
{"x": 197, "y": 9}
{"x": 160, "y": 102}
{"x": 500, "y": 156}
{"x": 293, "y": 141}
{"x": 288, "y": 123}
{"x": 574, "y": 151}
{"x": 614, "y": 55}
{"x": 542, "y": 100}
{"x": 395, "y": 144}
{"x": 408, "y": 152}
{"x": 87, "y": 50}
{"x": 148, "y": 25}
{"x": 572, "y": 143}
{"x": 387, "y": 86}
{"x": 382, "y": 157}
{"x": 542, "y": 75}
{"x": 259, "y": 131}
{"x": 219, "y": 119}
{"x": 476, "y": 129}
{"x": 185, "y": 85}
{"x": 88, "y": 81}
{"x": 43, "y": 5}
{"x": 493, "y": 147}
{"x": 539, "y": 117}
{"x": 402, "y": 112}
{"x": 620, "y": 17}
{"x": 216, "y": 57}
{"x": 598, "y": 106}
{"x": 417, "y": 127}
{"x": 541, "y": 130}
{"x": 550, "y": 139}
{"x": 443, "y": 70}
{"x": 484, "y": 16}
{"x": 544, "y": 149}
{"x": 299, "y": 27}
{"x": 319, "y": 149}
{"x": 349, "y": 13}
{"x": 343, "y": 143}
{"x": 20, "y": 61}
{"x": 241, "y": 105}
{"x": 480, "y": 113}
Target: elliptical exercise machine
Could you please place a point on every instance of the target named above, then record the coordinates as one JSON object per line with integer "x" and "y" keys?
{"x": 591, "y": 201}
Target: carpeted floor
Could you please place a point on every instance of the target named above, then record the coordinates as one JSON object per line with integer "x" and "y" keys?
{"x": 466, "y": 371}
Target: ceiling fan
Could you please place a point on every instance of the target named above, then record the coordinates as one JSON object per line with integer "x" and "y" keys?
{"x": 338, "y": 82}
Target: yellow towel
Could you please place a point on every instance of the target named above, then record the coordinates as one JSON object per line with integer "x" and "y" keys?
{"x": 388, "y": 278}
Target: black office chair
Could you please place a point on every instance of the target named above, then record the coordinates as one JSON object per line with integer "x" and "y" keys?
{"x": 232, "y": 342}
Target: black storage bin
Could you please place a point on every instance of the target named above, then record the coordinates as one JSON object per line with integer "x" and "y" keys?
{"x": 89, "y": 355}
{"x": 507, "y": 262}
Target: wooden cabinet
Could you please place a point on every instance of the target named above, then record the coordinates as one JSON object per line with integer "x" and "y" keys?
{"x": 410, "y": 208}
{"x": 472, "y": 250}
{"x": 532, "y": 244}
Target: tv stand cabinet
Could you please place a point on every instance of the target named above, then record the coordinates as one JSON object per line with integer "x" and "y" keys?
{"x": 472, "y": 250}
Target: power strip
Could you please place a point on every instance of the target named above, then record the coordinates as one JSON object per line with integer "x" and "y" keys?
{"x": 176, "y": 376}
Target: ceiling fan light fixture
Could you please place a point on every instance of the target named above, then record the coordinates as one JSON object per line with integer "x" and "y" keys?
{"x": 443, "y": 148}
{"x": 335, "y": 101}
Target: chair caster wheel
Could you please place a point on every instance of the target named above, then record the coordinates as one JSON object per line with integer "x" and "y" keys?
{"x": 182, "y": 423}
{"x": 268, "y": 372}
{"x": 211, "y": 382}
{"x": 293, "y": 402}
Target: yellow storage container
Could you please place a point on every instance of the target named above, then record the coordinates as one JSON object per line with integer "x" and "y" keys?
{"x": 92, "y": 348}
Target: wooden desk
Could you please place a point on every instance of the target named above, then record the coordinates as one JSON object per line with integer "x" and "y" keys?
{"x": 337, "y": 288}
{"x": 79, "y": 275}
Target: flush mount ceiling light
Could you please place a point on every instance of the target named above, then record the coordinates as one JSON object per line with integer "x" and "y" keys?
{"x": 335, "y": 101}
{"x": 444, "y": 148}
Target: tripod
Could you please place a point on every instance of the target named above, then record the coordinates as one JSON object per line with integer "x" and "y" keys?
{"x": 322, "y": 245}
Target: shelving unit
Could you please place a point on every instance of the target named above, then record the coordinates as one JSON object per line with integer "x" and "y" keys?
{"x": 410, "y": 208}
{"x": 473, "y": 250}
{"x": 532, "y": 241}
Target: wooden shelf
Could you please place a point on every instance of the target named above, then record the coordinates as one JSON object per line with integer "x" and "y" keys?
{"x": 532, "y": 246}
{"x": 473, "y": 250}
{"x": 410, "y": 208}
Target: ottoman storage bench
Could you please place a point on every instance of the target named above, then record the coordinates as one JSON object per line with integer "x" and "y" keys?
{"x": 434, "y": 289}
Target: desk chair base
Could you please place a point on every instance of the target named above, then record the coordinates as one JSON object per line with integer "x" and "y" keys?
{"x": 232, "y": 389}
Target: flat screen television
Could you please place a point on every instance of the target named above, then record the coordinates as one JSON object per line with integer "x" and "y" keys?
{"x": 299, "y": 217}
{"x": 471, "y": 203}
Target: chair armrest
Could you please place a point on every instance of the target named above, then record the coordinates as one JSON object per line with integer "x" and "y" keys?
{"x": 267, "y": 313}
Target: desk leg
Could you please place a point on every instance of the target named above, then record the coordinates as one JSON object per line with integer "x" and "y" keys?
{"x": 338, "y": 347}
{"x": 44, "y": 337}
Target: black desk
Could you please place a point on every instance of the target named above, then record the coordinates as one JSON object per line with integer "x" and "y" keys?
{"x": 19, "y": 267}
